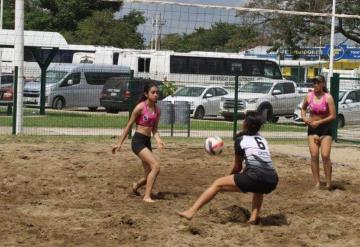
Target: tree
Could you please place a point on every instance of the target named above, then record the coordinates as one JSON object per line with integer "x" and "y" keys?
{"x": 224, "y": 37}
{"x": 102, "y": 29}
{"x": 293, "y": 31}
{"x": 81, "y": 22}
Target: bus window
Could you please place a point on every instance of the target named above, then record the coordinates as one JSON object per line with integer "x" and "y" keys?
{"x": 178, "y": 64}
{"x": 197, "y": 66}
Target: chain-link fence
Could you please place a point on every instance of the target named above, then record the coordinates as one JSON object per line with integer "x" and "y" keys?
{"x": 195, "y": 54}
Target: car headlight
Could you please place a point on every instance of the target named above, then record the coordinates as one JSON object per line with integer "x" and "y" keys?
{"x": 251, "y": 101}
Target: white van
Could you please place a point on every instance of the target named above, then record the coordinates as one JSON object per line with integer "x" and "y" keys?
{"x": 73, "y": 85}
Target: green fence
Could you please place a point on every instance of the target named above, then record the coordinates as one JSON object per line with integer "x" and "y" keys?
{"x": 348, "y": 110}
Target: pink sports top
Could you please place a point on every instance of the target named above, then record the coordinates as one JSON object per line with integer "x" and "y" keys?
{"x": 321, "y": 108}
{"x": 147, "y": 119}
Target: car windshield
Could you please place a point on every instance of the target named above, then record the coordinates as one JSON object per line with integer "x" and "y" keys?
{"x": 52, "y": 76}
{"x": 256, "y": 87}
{"x": 190, "y": 91}
{"x": 341, "y": 95}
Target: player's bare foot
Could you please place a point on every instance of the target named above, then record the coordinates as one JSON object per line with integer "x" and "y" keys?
{"x": 318, "y": 185}
{"x": 185, "y": 215}
{"x": 149, "y": 200}
{"x": 255, "y": 221}
{"x": 135, "y": 189}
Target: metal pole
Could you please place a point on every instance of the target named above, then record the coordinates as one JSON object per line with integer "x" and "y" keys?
{"x": 19, "y": 61}
{"x": 235, "y": 105}
{"x": 1, "y": 14}
{"x": 14, "y": 102}
{"x": 1, "y": 27}
{"x": 331, "y": 64}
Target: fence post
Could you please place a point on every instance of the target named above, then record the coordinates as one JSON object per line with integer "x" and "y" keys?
{"x": 14, "y": 101}
{"x": 334, "y": 90}
{"x": 235, "y": 105}
{"x": 132, "y": 100}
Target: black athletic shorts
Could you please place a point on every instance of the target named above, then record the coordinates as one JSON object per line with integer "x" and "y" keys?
{"x": 321, "y": 130}
{"x": 247, "y": 184}
{"x": 139, "y": 142}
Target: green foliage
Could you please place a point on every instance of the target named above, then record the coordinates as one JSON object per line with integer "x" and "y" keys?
{"x": 294, "y": 31}
{"x": 222, "y": 37}
{"x": 80, "y": 22}
{"x": 102, "y": 29}
{"x": 168, "y": 88}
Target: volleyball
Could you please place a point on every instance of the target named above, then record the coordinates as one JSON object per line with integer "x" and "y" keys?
{"x": 214, "y": 145}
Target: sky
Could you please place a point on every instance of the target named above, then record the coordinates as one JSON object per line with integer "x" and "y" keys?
{"x": 178, "y": 19}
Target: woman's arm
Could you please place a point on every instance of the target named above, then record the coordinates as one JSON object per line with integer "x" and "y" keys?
{"x": 237, "y": 167}
{"x": 303, "y": 110}
{"x": 136, "y": 112}
{"x": 156, "y": 133}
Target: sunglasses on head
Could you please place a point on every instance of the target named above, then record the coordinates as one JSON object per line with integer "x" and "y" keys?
{"x": 317, "y": 82}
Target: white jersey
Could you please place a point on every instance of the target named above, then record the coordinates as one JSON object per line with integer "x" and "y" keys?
{"x": 255, "y": 151}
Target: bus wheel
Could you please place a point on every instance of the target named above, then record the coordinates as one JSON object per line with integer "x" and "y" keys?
{"x": 199, "y": 113}
{"x": 58, "y": 103}
{"x": 94, "y": 108}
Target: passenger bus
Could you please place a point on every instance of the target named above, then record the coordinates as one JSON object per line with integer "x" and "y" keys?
{"x": 214, "y": 68}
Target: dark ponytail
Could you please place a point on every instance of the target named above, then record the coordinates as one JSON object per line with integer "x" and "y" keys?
{"x": 252, "y": 123}
{"x": 147, "y": 88}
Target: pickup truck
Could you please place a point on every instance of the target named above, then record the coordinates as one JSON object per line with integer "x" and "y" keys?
{"x": 272, "y": 98}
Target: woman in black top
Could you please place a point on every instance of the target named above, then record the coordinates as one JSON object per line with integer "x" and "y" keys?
{"x": 258, "y": 176}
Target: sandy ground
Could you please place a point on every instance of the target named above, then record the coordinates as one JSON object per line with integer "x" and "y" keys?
{"x": 67, "y": 194}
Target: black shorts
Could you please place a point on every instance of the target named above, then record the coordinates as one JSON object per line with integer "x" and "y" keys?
{"x": 247, "y": 184}
{"x": 321, "y": 130}
{"x": 139, "y": 142}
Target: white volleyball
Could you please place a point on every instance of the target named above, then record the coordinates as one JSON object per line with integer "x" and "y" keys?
{"x": 214, "y": 145}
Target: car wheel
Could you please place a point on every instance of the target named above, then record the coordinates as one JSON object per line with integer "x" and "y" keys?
{"x": 58, "y": 103}
{"x": 112, "y": 110}
{"x": 199, "y": 113}
{"x": 94, "y": 108}
{"x": 266, "y": 113}
{"x": 341, "y": 121}
{"x": 274, "y": 119}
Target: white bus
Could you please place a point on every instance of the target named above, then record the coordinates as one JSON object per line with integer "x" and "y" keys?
{"x": 213, "y": 68}
{"x": 66, "y": 54}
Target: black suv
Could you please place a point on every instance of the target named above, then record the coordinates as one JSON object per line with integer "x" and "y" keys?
{"x": 116, "y": 94}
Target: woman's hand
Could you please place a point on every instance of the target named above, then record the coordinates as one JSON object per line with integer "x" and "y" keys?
{"x": 307, "y": 120}
{"x": 116, "y": 147}
{"x": 160, "y": 144}
{"x": 314, "y": 124}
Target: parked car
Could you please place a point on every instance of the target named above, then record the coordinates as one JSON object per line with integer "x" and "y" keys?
{"x": 116, "y": 94}
{"x": 349, "y": 108}
{"x": 304, "y": 88}
{"x": 204, "y": 100}
{"x": 272, "y": 98}
{"x": 73, "y": 85}
{"x": 6, "y": 80}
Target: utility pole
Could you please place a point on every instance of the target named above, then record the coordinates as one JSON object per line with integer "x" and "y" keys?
{"x": 157, "y": 24}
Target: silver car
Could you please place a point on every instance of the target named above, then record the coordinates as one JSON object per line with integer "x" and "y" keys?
{"x": 349, "y": 108}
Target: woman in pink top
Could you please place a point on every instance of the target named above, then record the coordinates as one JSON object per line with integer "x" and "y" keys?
{"x": 146, "y": 115}
{"x": 321, "y": 106}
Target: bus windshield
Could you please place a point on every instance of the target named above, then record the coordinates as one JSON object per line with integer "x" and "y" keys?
{"x": 256, "y": 87}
